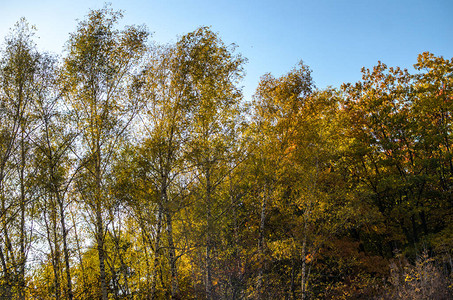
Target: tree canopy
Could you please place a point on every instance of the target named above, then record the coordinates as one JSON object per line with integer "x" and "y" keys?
{"x": 132, "y": 170}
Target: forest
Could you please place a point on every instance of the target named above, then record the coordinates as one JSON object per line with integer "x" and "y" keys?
{"x": 135, "y": 170}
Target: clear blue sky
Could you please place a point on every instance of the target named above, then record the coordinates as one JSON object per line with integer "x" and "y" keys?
{"x": 335, "y": 38}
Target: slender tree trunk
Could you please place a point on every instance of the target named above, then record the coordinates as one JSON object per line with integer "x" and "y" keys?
{"x": 79, "y": 254}
{"x": 171, "y": 246}
{"x": 148, "y": 285}
{"x": 63, "y": 229}
{"x": 123, "y": 267}
{"x": 156, "y": 253}
{"x": 235, "y": 282}
{"x": 99, "y": 221}
{"x": 22, "y": 254}
{"x": 293, "y": 275}
{"x": 303, "y": 281}
{"x": 51, "y": 240}
{"x": 259, "y": 286}
{"x": 125, "y": 275}
{"x": 56, "y": 251}
{"x": 208, "y": 283}
{"x": 10, "y": 256}
{"x": 101, "y": 254}
{"x": 65, "y": 249}
{"x": 172, "y": 254}
{"x": 6, "y": 276}
{"x": 6, "y": 272}
{"x": 115, "y": 287}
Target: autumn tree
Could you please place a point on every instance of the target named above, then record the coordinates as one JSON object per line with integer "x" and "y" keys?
{"x": 166, "y": 120}
{"x": 55, "y": 171}
{"x": 97, "y": 72}
{"x": 210, "y": 72}
{"x": 390, "y": 161}
{"x": 398, "y": 127}
{"x": 294, "y": 157}
{"x": 432, "y": 109}
{"x": 21, "y": 71}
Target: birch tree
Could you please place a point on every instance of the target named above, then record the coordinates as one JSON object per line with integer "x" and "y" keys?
{"x": 97, "y": 70}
